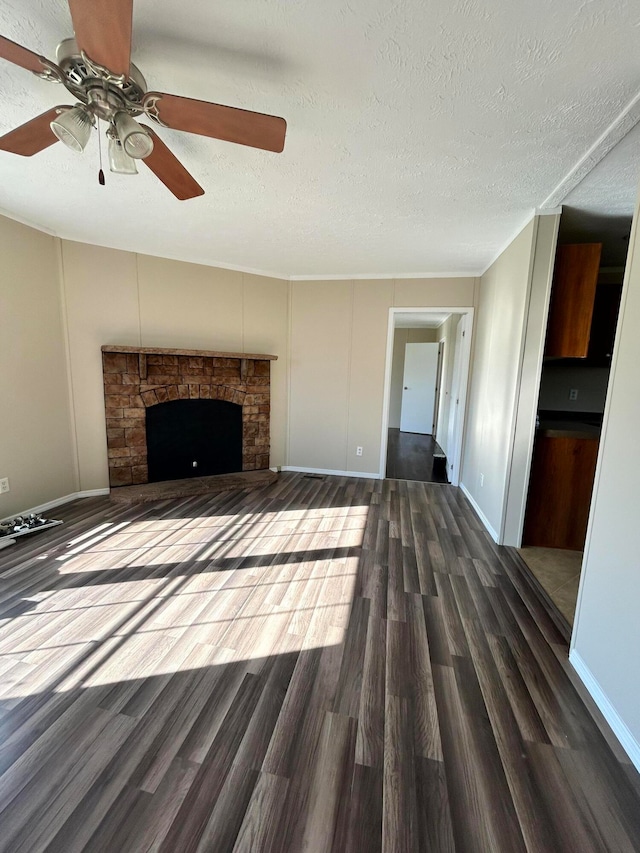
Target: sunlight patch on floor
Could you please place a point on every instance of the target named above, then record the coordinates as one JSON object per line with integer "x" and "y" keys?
{"x": 278, "y": 582}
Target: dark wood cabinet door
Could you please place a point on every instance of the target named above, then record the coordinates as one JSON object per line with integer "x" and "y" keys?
{"x": 605, "y": 321}
{"x": 572, "y": 298}
{"x": 560, "y": 490}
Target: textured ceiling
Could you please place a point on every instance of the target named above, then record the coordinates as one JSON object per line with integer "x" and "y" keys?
{"x": 611, "y": 188}
{"x": 421, "y": 135}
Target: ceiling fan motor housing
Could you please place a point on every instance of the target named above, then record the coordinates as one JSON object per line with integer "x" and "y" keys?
{"x": 103, "y": 91}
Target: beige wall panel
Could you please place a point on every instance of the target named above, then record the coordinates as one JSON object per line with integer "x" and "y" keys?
{"x": 266, "y": 330}
{"x": 498, "y": 343}
{"x": 371, "y": 303}
{"x": 101, "y": 298}
{"x": 607, "y": 629}
{"x": 422, "y": 336}
{"x": 433, "y": 292}
{"x": 36, "y": 449}
{"x": 397, "y": 372}
{"x": 189, "y": 305}
{"x": 320, "y": 350}
{"x": 529, "y": 381}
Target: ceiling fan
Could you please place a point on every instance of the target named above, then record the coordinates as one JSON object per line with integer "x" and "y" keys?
{"x": 96, "y": 68}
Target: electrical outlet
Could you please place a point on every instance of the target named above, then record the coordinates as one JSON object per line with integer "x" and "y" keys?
{"x": 358, "y": 451}
{"x": 4, "y": 485}
{"x": 482, "y": 479}
{"x": 573, "y": 394}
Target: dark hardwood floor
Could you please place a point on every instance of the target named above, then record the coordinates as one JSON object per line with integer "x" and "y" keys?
{"x": 410, "y": 457}
{"x": 317, "y": 665}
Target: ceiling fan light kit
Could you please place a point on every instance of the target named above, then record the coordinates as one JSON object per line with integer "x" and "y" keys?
{"x": 119, "y": 160}
{"x": 135, "y": 141}
{"x": 95, "y": 67}
{"x": 73, "y": 127}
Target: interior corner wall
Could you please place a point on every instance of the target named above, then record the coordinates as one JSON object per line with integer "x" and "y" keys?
{"x": 115, "y": 297}
{"x": 606, "y": 632}
{"x": 327, "y": 385}
{"x": 401, "y": 338}
{"x": 338, "y": 354}
{"x": 502, "y": 300}
{"x": 36, "y": 444}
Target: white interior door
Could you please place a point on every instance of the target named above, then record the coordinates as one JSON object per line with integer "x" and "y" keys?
{"x": 419, "y": 388}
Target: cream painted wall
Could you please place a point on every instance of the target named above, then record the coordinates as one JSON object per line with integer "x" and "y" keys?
{"x": 529, "y": 377}
{"x": 101, "y": 300}
{"x": 115, "y": 297}
{"x": 401, "y": 338}
{"x": 188, "y": 305}
{"x": 321, "y": 318}
{"x": 338, "y": 354}
{"x": 606, "y": 635}
{"x": 503, "y": 296}
{"x": 36, "y": 449}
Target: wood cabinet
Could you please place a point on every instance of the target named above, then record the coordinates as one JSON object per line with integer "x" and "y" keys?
{"x": 572, "y": 299}
{"x": 560, "y": 487}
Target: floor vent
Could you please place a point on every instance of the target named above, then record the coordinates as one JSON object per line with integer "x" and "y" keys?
{"x": 313, "y": 477}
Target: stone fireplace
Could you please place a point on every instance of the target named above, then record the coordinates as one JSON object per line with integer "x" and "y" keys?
{"x": 136, "y": 378}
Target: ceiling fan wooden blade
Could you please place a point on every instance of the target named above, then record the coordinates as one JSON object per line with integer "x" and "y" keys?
{"x": 33, "y": 136}
{"x": 170, "y": 170}
{"x": 219, "y": 122}
{"x": 21, "y": 56}
{"x": 103, "y": 31}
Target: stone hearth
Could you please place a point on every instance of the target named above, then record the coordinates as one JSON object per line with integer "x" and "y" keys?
{"x": 136, "y": 378}
{"x": 172, "y": 489}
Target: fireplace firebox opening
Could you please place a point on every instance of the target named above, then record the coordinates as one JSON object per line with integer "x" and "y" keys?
{"x": 193, "y": 438}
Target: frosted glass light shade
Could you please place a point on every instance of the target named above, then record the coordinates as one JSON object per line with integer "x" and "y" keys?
{"x": 73, "y": 127}
{"x": 135, "y": 140}
{"x": 119, "y": 160}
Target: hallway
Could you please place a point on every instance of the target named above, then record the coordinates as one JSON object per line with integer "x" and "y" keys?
{"x": 410, "y": 456}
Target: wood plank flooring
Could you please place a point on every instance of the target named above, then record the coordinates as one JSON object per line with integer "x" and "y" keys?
{"x": 410, "y": 457}
{"x": 319, "y": 665}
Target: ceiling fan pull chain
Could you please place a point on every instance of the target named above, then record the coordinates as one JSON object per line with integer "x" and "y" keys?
{"x": 101, "y": 179}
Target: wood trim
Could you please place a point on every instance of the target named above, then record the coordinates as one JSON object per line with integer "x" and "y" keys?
{"x": 192, "y": 352}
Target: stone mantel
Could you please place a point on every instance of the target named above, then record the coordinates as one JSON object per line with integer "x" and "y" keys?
{"x": 192, "y": 352}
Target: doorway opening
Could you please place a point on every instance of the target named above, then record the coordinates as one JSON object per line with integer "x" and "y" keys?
{"x": 428, "y": 352}
{"x": 581, "y": 329}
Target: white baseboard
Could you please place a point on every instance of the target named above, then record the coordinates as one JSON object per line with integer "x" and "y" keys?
{"x": 367, "y": 476}
{"x": 65, "y": 499}
{"x": 618, "y": 725}
{"x": 481, "y": 515}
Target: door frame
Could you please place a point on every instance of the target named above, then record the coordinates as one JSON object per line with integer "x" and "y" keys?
{"x": 467, "y": 319}
{"x": 439, "y": 378}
